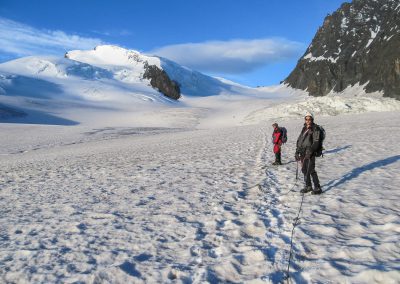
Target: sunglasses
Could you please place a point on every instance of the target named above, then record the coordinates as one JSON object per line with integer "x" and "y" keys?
{"x": 308, "y": 118}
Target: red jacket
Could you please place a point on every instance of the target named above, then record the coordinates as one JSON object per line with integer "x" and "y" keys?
{"x": 277, "y": 139}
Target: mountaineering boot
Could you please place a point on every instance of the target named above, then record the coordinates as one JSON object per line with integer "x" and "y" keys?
{"x": 317, "y": 190}
{"x": 306, "y": 189}
{"x": 275, "y": 163}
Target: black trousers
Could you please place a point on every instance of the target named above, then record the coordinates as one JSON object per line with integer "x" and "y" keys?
{"x": 278, "y": 157}
{"x": 308, "y": 170}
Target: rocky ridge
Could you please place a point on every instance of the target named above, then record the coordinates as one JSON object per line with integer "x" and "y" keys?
{"x": 357, "y": 44}
{"x": 160, "y": 80}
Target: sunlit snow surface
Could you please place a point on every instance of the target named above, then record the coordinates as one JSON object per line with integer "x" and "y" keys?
{"x": 154, "y": 205}
{"x": 119, "y": 188}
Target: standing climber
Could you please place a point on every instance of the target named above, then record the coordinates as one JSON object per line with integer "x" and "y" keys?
{"x": 277, "y": 136}
{"x": 308, "y": 145}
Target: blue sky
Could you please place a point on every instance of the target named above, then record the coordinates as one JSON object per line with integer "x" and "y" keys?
{"x": 254, "y": 42}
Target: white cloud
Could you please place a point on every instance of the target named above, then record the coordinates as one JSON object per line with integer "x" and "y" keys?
{"x": 231, "y": 57}
{"x": 113, "y": 33}
{"x": 22, "y": 40}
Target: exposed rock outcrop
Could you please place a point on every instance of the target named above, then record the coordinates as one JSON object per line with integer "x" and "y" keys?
{"x": 359, "y": 43}
{"x": 160, "y": 80}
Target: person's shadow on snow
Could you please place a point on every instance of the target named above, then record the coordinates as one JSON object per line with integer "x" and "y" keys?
{"x": 357, "y": 171}
{"x": 337, "y": 150}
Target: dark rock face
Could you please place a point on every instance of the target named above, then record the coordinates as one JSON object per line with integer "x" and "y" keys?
{"x": 359, "y": 43}
{"x": 159, "y": 80}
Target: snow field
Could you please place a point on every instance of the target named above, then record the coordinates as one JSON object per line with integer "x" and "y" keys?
{"x": 155, "y": 208}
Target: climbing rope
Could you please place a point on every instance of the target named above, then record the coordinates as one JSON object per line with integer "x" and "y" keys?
{"x": 295, "y": 183}
{"x": 295, "y": 223}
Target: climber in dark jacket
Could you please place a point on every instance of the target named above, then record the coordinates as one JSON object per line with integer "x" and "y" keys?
{"x": 277, "y": 141}
{"x": 307, "y": 145}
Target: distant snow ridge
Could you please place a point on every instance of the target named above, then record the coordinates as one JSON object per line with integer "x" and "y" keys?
{"x": 129, "y": 66}
{"x": 111, "y": 76}
{"x": 52, "y": 68}
{"x": 113, "y": 73}
{"x": 107, "y": 78}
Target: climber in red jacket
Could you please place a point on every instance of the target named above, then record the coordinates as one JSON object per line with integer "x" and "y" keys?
{"x": 277, "y": 141}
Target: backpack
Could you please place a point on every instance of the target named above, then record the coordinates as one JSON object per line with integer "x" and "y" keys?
{"x": 284, "y": 134}
{"x": 322, "y": 135}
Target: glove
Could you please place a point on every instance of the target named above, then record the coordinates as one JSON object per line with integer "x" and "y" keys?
{"x": 297, "y": 156}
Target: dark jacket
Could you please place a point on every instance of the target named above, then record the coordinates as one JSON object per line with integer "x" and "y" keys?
{"x": 308, "y": 140}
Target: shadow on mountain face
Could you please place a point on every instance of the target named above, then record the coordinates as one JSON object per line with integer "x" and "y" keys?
{"x": 26, "y": 116}
{"x": 194, "y": 83}
{"x": 17, "y": 85}
{"x": 88, "y": 72}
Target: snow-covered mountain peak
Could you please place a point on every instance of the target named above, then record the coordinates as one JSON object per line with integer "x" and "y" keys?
{"x": 111, "y": 55}
{"x": 129, "y": 65}
{"x": 107, "y": 76}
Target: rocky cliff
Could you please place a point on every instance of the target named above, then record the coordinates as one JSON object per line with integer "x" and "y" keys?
{"x": 160, "y": 80}
{"x": 359, "y": 43}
